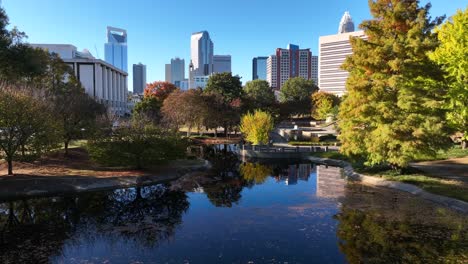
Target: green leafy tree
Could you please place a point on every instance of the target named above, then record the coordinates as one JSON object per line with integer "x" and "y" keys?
{"x": 295, "y": 96}
{"x": 138, "y": 145}
{"x": 393, "y": 109}
{"x": 150, "y": 107}
{"x": 230, "y": 87}
{"x": 259, "y": 95}
{"x": 323, "y": 104}
{"x": 26, "y": 123}
{"x": 18, "y": 61}
{"x": 77, "y": 113}
{"x": 452, "y": 55}
{"x": 256, "y": 127}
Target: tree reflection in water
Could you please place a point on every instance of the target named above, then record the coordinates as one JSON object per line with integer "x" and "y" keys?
{"x": 396, "y": 228}
{"x": 255, "y": 172}
{"x": 33, "y": 230}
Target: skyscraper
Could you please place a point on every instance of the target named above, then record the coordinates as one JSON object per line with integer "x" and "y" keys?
{"x": 201, "y": 56}
{"x": 221, "y": 63}
{"x": 259, "y": 68}
{"x": 314, "y": 69}
{"x": 116, "y": 48}
{"x": 177, "y": 71}
{"x": 167, "y": 68}
{"x": 288, "y": 63}
{"x": 346, "y": 24}
{"x": 333, "y": 51}
{"x": 139, "y": 78}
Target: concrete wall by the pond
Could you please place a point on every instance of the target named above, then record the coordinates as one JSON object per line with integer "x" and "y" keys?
{"x": 349, "y": 173}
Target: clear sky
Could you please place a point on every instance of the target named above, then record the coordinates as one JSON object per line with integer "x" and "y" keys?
{"x": 159, "y": 30}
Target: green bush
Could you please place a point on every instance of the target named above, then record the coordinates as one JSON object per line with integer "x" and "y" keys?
{"x": 138, "y": 147}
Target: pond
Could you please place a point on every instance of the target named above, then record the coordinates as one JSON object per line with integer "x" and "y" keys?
{"x": 282, "y": 212}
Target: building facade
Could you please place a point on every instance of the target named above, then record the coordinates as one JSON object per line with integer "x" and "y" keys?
{"x": 346, "y": 24}
{"x": 201, "y": 53}
{"x": 259, "y": 68}
{"x": 139, "y": 78}
{"x": 333, "y": 51}
{"x": 201, "y": 56}
{"x": 167, "y": 71}
{"x": 221, "y": 63}
{"x": 116, "y": 48}
{"x": 177, "y": 70}
{"x": 314, "y": 69}
{"x": 288, "y": 63}
{"x": 101, "y": 80}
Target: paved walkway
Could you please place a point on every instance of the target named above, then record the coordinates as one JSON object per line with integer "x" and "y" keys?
{"x": 453, "y": 169}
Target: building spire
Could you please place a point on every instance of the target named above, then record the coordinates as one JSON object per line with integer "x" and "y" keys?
{"x": 346, "y": 24}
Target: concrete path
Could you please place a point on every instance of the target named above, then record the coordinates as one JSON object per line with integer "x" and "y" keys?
{"x": 452, "y": 169}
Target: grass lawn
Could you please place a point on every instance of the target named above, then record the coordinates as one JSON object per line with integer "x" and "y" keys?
{"x": 445, "y": 187}
{"x": 453, "y": 152}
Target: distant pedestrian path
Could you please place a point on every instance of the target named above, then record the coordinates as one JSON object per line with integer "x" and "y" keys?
{"x": 453, "y": 169}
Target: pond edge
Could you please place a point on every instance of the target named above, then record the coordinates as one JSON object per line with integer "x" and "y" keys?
{"x": 350, "y": 174}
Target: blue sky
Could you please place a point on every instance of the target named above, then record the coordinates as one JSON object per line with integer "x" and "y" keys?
{"x": 159, "y": 30}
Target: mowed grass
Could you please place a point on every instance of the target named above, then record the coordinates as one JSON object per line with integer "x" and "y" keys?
{"x": 445, "y": 187}
{"x": 452, "y": 153}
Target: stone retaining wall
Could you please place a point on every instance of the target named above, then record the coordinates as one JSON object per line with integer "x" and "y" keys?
{"x": 349, "y": 172}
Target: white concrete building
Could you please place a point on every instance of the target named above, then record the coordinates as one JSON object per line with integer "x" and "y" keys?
{"x": 201, "y": 56}
{"x": 272, "y": 65}
{"x": 101, "y": 80}
{"x": 333, "y": 50}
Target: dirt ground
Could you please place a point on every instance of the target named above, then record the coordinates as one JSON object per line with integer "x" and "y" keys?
{"x": 77, "y": 163}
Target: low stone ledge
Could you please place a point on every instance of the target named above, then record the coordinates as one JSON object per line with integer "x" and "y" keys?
{"x": 350, "y": 174}
{"x": 13, "y": 189}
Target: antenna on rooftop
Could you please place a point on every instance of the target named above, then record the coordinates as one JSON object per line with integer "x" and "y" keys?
{"x": 97, "y": 53}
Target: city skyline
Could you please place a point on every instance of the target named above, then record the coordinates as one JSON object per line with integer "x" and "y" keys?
{"x": 234, "y": 32}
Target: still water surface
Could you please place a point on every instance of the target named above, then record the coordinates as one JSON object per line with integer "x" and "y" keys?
{"x": 280, "y": 213}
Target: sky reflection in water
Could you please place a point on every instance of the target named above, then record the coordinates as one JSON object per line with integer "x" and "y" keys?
{"x": 301, "y": 214}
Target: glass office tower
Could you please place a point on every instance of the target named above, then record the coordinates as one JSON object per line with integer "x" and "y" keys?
{"x": 116, "y": 48}
{"x": 259, "y": 68}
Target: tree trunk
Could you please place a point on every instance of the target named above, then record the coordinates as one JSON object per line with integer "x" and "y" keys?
{"x": 23, "y": 151}
{"x": 10, "y": 167}
{"x": 225, "y": 131}
{"x": 66, "y": 147}
{"x": 189, "y": 131}
{"x": 464, "y": 144}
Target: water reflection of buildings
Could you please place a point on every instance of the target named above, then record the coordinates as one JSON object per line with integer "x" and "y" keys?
{"x": 292, "y": 173}
{"x": 330, "y": 182}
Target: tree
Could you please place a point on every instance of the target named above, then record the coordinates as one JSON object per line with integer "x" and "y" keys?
{"x": 323, "y": 104}
{"x": 185, "y": 108}
{"x": 230, "y": 87}
{"x": 24, "y": 121}
{"x": 138, "y": 145}
{"x": 18, "y": 61}
{"x": 256, "y": 127}
{"x": 393, "y": 109}
{"x": 295, "y": 95}
{"x": 259, "y": 95}
{"x": 255, "y": 172}
{"x": 77, "y": 112}
{"x": 150, "y": 108}
{"x": 159, "y": 90}
{"x": 452, "y": 55}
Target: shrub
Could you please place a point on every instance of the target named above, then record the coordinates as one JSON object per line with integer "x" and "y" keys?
{"x": 136, "y": 146}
